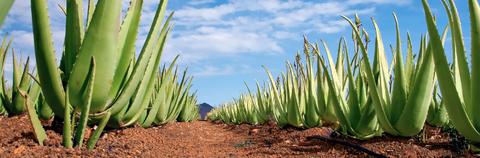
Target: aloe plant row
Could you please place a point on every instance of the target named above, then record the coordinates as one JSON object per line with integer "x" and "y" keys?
{"x": 366, "y": 99}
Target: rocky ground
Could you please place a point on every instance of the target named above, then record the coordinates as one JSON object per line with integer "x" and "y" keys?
{"x": 216, "y": 139}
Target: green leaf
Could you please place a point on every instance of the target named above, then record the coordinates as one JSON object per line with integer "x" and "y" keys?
{"x": 5, "y": 6}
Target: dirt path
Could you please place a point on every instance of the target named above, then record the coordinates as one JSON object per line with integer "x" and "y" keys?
{"x": 210, "y": 139}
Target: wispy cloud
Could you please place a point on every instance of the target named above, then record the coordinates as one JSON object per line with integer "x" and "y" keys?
{"x": 251, "y": 26}
{"x": 213, "y": 71}
{"x": 197, "y": 2}
{"x": 396, "y": 2}
{"x": 208, "y": 29}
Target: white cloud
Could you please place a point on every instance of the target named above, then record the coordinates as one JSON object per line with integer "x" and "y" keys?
{"x": 284, "y": 35}
{"x": 214, "y": 13}
{"x": 209, "y": 31}
{"x": 397, "y": 2}
{"x": 209, "y": 70}
{"x": 197, "y": 2}
{"x": 224, "y": 41}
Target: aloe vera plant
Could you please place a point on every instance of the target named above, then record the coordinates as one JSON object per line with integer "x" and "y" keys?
{"x": 356, "y": 113}
{"x": 458, "y": 90}
{"x": 11, "y": 101}
{"x": 118, "y": 88}
{"x": 403, "y": 112}
{"x": 172, "y": 98}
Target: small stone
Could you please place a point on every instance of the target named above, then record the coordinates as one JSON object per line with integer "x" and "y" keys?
{"x": 32, "y": 144}
{"x": 112, "y": 133}
{"x": 69, "y": 151}
{"x": 19, "y": 150}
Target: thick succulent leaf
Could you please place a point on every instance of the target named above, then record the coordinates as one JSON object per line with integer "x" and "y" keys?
{"x": 67, "y": 124}
{"x": 409, "y": 63}
{"x": 45, "y": 56}
{"x": 74, "y": 33}
{"x": 82, "y": 123}
{"x": 126, "y": 45}
{"x": 457, "y": 112}
{"x": 399, "y": 92}
{"x": 91, "y": 9}
{"x": 5, "y": 6}
{"x": 415, "y": 112}
{"x": 475, "y": 61}
{"x": 100, "y": 41}
{"x": 18, "y": 101}
{"x": 95, "y": 135}
{"x": 461, "y": 52}
{"x": 38, "y": 130}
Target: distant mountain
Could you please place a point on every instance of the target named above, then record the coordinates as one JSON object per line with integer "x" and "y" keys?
{"x": 204, "y": 109}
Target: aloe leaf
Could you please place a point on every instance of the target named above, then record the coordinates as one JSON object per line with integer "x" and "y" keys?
{"x": 338, "y": 103}
{"x": 415, "y": 111}
{"x": 5, "y": 6}
{"x": 38, "y": 130}
{"x": 17, "y": 74}
{"x": 45, "y": 56}
{"x": 455, "y": 66}
{"x": 321, "y": 99}
{"x": 44, "y": 111}
{"x": 126, "y": 45}
{"x": 18, "y": 101}
{"x": 399, "y": 92}
{"x": 293, "y": 106}
{"x": 95, "y": 135}
{"x": 91, "y": 9}
{"x": 74, "y": 34}
{"x": 312, "y": 118}
{"x": 67, "y": 124}
{"x": 353, "y": 96}
{"x": 329, "y": 113}
{"x": 475, "y": 61}
{"x": 461, "y": 52}
{"x": 453, "y": 104}
{"x": 82, "y": 124}
{"x": 100, "y": 42}
{"x": 63, "y": 9}
{"x": 408, "y": 64}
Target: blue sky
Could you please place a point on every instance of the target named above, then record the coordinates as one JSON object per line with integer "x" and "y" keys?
{"x": 224, "y": 43}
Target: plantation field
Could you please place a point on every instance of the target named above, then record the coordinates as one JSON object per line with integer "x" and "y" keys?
{"x": 214, "y": 139}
